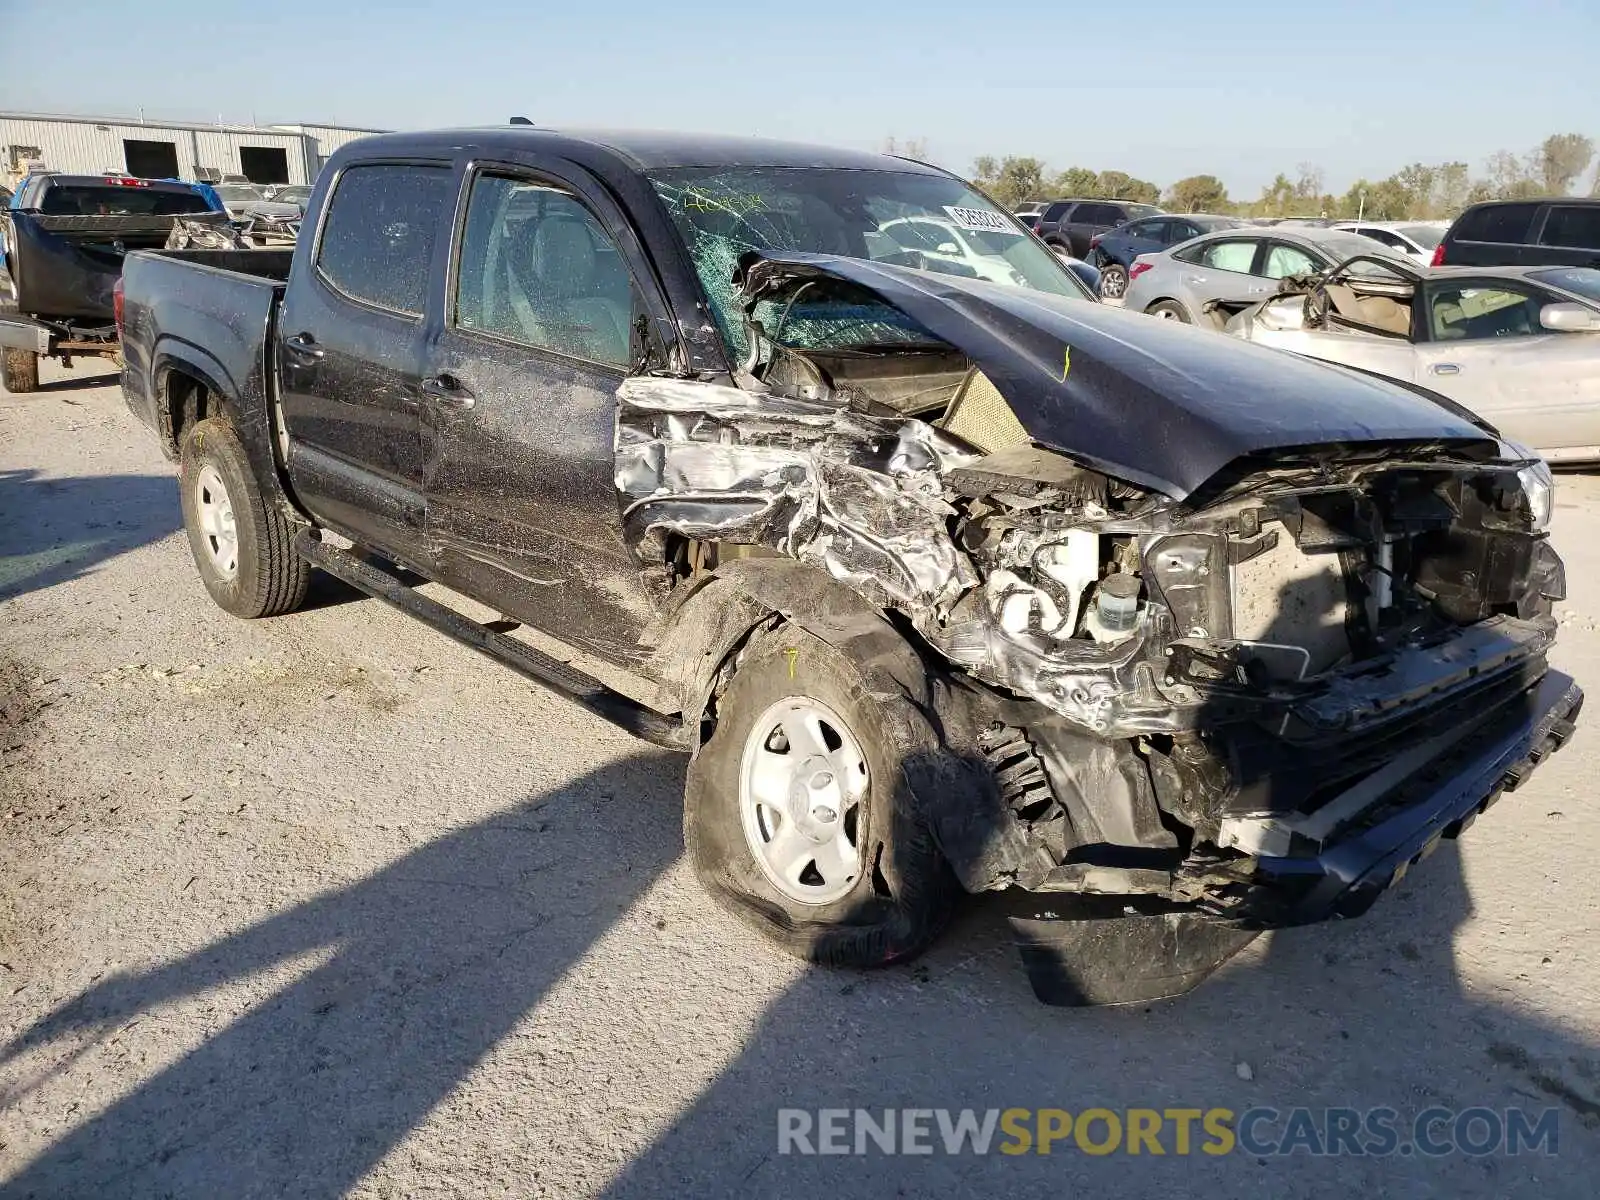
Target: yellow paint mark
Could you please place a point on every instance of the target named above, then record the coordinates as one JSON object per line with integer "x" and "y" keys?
{"x": 1066, "y": 363}
{"x": 792, "y": 653}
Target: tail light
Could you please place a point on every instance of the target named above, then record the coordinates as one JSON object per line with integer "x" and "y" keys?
{"x": 1438, "y": 256}
{"x": 1095, "y": 240}
{"x": 1139, "y": 268}
{"x": 128, "y": 181}
{"x": 116, "y": 305}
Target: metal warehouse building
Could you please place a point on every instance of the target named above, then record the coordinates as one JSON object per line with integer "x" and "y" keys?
{"x": 95, "y": 145}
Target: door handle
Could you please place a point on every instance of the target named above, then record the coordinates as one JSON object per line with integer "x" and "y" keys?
{"x": 1445, "y": 368}
{"x": 448, "y": 391}
{"x": 303, "y": 345}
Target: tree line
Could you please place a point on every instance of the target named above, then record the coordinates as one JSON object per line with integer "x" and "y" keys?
{"x": 1420, "y": 191}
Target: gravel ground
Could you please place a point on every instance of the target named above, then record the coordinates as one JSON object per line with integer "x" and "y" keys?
{"x": 328, "y": 905}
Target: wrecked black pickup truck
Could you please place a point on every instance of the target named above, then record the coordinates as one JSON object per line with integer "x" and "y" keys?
{"x": 946, "y": 576}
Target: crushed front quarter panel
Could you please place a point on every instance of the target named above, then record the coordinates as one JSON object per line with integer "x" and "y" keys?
{"x": 858, "y": 495}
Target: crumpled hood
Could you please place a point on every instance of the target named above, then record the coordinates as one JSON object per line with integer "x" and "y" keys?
{"x": 1156, "y": 403}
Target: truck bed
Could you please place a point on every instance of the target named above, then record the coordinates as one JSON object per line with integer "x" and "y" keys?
{"x": 210, "y": 315}
{"x": 63, "y": 266}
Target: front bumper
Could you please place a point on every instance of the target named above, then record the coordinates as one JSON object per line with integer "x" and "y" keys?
{"x": 1350, "y": 870}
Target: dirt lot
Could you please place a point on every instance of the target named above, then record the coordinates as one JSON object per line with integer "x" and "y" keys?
{"x": 327, "y": 905}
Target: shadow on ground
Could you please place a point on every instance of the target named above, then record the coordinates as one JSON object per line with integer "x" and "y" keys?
{"x": 1363, "y": 1014}
{"x": 53, "y": 530}
{"x": 73, "y": 383}
{"x": 429, "y": 963}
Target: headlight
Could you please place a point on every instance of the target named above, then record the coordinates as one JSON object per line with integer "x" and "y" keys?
{"x": 1539, "y": 486}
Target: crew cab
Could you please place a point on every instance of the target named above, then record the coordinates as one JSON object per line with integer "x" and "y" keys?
{"x": 942, "y": 582}
{"x": 63, "y": 238}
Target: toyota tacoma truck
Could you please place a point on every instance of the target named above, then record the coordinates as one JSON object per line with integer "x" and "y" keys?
{"x": 943, "y": 582}
{"x": 62, "y": 239}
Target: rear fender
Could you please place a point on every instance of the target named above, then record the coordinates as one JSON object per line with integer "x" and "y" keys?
{"x": 245, "y": 408}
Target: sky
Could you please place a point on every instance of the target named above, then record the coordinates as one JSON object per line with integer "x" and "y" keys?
{"x": 1159, "y": 89}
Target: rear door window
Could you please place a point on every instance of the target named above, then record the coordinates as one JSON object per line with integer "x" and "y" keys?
{"x": 1234, "y": 254}
{"x": 1496, "y": 223}
{"x": 1576, "y": 225}
{"x": 378, "y": 238}
{"x": 1393, "y": 241}
{"x": 1285, "y": 260}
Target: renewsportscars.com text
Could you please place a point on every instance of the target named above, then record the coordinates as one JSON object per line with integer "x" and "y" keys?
{"x": 1373, "y": 1132}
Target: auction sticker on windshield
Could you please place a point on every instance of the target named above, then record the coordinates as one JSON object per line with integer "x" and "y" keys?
{"x": 980, "y": 220}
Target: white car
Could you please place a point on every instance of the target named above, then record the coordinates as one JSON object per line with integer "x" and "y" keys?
{"x": 1519, "y": 346}
{"x": 974, "y": 251}
{"x": 1414, "y": 239}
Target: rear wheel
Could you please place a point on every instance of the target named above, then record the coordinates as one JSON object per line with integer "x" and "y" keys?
{"x": 243, "y": 545}
{"x": 1169, "y": 310}
{"x": 1113, "y": 281}
{"x": 799, "y": 816}
{"x": 20, "y": 371}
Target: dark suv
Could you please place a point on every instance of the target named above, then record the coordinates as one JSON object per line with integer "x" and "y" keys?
{"x": 1069, "y": 224}
{"x": 1558, "y": 232}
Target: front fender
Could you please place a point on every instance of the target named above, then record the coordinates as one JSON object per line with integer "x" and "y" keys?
{"x": 715, "y": 615}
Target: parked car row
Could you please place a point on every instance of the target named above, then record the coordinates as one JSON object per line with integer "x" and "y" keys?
{"x": 1516, "y": 342}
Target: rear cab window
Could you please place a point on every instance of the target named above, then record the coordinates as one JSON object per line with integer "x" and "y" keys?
{"x": 378, "y": 237}
{"x": 119, "y": 200}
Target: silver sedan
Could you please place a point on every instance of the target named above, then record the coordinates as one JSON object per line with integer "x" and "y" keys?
{"x": 1207, "y": 279}
{"x": 1520, "y": 346}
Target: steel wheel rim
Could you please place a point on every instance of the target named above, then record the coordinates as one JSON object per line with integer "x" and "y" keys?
{"x": 214, "y": 509}
{"x": 1113, "y": 282}
{"x": 802, "y": 793}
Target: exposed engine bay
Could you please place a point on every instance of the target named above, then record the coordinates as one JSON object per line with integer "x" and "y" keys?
{"x": 1268, "y": 598}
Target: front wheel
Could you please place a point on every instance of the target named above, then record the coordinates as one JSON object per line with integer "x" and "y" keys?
{"x": 799, "y": 816}
{"x": 242, "y": 544}
{"x": 1113, "y": 281}
{"x": 1168, "y": 310}
{"x": 20, "y": 371}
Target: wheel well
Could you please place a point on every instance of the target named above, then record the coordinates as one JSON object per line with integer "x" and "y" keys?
{"x": 185, "y": 401}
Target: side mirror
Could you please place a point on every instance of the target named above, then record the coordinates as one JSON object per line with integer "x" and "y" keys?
{"x": 1569, "y": 317}
{"x": 948, "y": 248}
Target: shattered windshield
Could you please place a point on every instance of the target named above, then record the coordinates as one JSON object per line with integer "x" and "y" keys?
{"x": 927, "y": 222}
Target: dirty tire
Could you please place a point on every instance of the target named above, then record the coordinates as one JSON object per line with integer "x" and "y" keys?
{"x": 905, "y": 891}
{"x": 270, "y": 578}
{"x": 20, "y": 371}
{"x": 1168, "y": 310}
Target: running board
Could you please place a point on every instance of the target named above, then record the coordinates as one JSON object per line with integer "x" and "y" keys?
{"x": 531, "y": 664}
